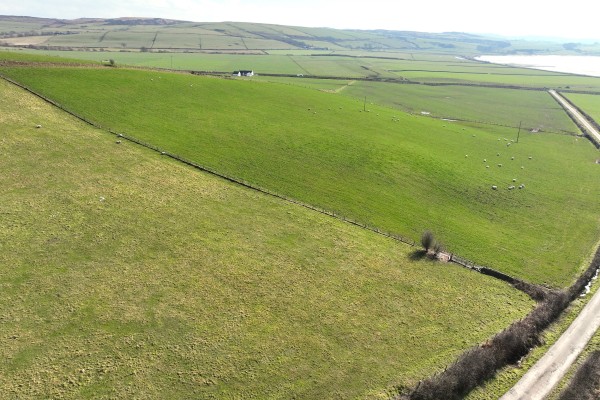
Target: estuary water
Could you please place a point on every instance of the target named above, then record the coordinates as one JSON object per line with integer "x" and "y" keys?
{"x": 582, "y": 65}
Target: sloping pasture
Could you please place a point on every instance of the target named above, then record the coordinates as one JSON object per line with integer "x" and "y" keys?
{"x": 126, "y": 274}
{"x": 396, "y": 171}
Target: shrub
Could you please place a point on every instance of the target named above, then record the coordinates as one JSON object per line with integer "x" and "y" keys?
{"x": 427, "y": 240}
{"x": 585, "y": 385}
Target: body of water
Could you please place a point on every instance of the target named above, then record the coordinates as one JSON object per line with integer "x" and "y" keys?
{"x": 582, "y": 65}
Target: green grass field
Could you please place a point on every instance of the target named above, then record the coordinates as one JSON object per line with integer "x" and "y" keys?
{"x": 399, "y": 172}
{"x": 587, "y": 102}
{"x": 509, "y": 376}
{"x": 509, "y": 107}
{"x": 432, "y": 69}
{"x": 125, "y": 274}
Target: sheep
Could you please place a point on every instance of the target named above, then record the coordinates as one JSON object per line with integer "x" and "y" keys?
{"x": 162, "y": 153}
{"x": 514, "y": 179}
{"x": 521, "y": 186}
{"x": 466, "y": 156}
{"x": 498, "y": 154}
{"x": 118, "y": 142}
{"x": 485, "y": 160}
{"x": 494, "y": 187}
{"x": 512, "y": 158}
{"x": 38, "y": 126}
{"x": 531, "y": 158}
{"x": 101, "y": 198}
{"x": 499, "y": 165}
{"x": 507, "y": 144}
{"x": 511, "y": 187}
{"x": 522, "y": 167}
{"x": 487, "y": 166}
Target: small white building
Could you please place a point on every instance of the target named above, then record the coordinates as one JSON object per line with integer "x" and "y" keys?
{"x": 243, "y": 73}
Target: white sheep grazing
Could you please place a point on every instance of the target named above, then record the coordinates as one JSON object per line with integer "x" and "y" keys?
{"x": 494, "y": 187}
{"x": 466, "y": 156}
{"x": 498, "y": 154}
{"x": 511, "y": 187}
{"x": 487, "y": 166}
{"x": 531, "y": 158}
{"x": 38, "y": 126}
{"x": 522, "y": 167}
{"x": 514, "y": 180}
{"x": 499, "y": 165}
{"x": 485, "y": 160}
{"x": 512, "y": 158}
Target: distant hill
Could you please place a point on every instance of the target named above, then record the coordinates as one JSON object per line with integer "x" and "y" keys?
{"x": 162, "y": 35}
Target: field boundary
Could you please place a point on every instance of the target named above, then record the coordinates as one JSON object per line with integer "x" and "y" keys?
{"x": 480, "y": 363}
{"x": 530, "y": 289}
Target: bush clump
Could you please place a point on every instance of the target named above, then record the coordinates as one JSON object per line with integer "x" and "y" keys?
{"x": 585, "y": 385}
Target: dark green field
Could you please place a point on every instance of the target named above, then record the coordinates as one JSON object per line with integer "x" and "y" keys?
{"x": 396, "y": 171}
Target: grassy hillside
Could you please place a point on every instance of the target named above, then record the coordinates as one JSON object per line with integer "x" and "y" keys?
{"x": 396, "y": 171}
{"x": 125, "y": 274}
{"x": 156, "y": 34}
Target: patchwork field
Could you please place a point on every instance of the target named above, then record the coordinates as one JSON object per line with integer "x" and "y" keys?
{"x": 134, "y": 33}
{"x": 396, "y": 171}
{"x": 126, "y": 274}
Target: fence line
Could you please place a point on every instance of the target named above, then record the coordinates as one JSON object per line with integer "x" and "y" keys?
{"x": 238, "y": 181}
{"x": 394, "y": 236}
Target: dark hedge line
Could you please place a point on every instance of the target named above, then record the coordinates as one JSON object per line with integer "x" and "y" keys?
{"x": 480, "y": 363}
{"x": 585, "y": 385}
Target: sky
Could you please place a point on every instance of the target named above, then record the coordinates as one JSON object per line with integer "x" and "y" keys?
{"x": 574, "y": 19}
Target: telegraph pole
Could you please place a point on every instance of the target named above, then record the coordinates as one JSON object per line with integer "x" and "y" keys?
{"x": 519, "y": 133}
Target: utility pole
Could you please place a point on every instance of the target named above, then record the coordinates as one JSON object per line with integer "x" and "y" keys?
{"x": 365, "y": 104}
{"x": 519, "y": 133}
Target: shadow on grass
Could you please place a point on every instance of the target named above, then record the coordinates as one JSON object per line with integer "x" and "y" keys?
{"x": 417, "y": 255}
